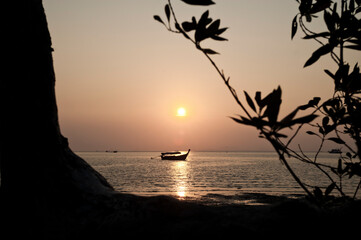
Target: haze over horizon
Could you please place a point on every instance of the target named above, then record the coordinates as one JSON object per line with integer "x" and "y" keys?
{"x": 121, "y": 77}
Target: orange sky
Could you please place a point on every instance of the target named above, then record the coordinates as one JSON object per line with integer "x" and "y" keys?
{"x": 121, "y": 76}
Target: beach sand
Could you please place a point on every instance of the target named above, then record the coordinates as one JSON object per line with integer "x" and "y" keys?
{"x": 163, "y": 217}
{"x": 126, "y": 216}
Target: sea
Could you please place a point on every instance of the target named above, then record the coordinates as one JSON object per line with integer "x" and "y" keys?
{"x": 206, "y": 174}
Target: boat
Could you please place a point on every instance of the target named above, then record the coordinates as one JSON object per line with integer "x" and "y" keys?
{"x": 166, "y": 153}
{"x": 174, "y": 155}
{"x": 335, "y": 150}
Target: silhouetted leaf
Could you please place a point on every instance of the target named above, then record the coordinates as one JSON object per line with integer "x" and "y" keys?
{"x": 339, "y": 167}
{"x": 221, "y": 30}
{"x": 318, "y": 53}
{"x": 214, "y": 27}
{"x": 336, "y": 140}
{"x": 157, "y": 18}
{"x": 218, "y": 38}
{"x": 209, "y": 51}
{"x": 199, "y": 2}
{"x": 294, "y": 26}
{"x": 167, "y": 11}
{"x": 329, "y": 74}
{"x": 249, "y": 101}
{"x": 204, "y": 20}
{"x": 330, "y": 21}
{"x": 330, "y": 188}
{"x": 354, "y": 47}
{"x": 259, "y": 100}
{"x": 189, "y": 26}
{"x": 311, "y": 103}
{"x": 312, "y": 133}
{"x": 201, "y": 30}
{"x": 273, "y": 102}
{"x": 285, "y": 122}
{"x": 243, "y": 120}
{"x": 314, "y": 101}
{"x": 325, "y": 121}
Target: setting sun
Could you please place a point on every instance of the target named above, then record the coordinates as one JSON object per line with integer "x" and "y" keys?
{"x": 181, "y": 112}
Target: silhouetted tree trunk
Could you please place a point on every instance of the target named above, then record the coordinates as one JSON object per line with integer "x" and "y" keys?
{"x": 38, "y": 169}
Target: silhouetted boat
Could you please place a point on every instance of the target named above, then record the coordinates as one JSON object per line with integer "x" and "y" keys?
{"x": 166, "y": 153}
{"x": 109, "y": 151}
{"x": 174, "y": 155}
{"x": 335, "y": 151}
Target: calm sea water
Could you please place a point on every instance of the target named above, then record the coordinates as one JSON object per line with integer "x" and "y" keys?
{"x": 204, "y": 173}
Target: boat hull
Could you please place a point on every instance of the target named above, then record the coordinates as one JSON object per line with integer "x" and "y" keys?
{"x": 180, "y": 157}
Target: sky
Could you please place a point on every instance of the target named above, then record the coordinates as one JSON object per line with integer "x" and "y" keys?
{"x": 120, "y": 76}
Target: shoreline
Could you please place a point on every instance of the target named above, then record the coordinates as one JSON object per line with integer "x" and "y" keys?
{"x": 246, "y": 198}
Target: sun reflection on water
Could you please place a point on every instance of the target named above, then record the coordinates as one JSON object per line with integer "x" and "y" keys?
{"x": 180, "y": 176}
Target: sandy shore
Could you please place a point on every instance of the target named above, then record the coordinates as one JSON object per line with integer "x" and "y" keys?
{"x": 168, "y": 218}
{"x": 126, "y": 216}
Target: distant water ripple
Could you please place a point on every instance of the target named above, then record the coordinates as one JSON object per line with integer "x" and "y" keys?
{"x": 226, "y": 173}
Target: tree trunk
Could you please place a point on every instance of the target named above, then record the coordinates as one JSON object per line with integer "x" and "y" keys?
{"x": 38, "y": 169}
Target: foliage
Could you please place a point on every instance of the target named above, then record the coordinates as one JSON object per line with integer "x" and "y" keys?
{"x": 335, "y": 120}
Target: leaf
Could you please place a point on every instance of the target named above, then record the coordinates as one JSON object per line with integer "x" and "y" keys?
{"x": 354, "y": 47}
{"x": 328, "y": 18}
{"x": 285, "y": 122}
{"x": 243, "y": 120}
{"x": 325, "y": 121}
{"x": 259, "y": 100}
{"x": 209, "y": 51}
{"x": 314, "y": 101}
{"x": 189, "y": 26}
{"x": 294, "y": 26}
{"x": 221, "y": 30}
{"x": 339, "y": 167}
{"x": 157, "y": 18}
{"x": 214, "y": 26}
{"x": 330, "y": 188}
{"x": 167, "y": 11}
{"x": 336, "y": 140}
{"x": 199, "y": 2}
{"x": 312, "y": 133}
{"x": 218, "y": 38}
{"x": 203, "y": 21}
{"x": 273, "y": 102}
{"x": 249, "y": 101}
{"x": 318, "y": 53}
{"x": 329, "y": 74}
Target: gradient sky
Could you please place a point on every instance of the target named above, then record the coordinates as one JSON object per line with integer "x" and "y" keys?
{"x": 121, "y": 76}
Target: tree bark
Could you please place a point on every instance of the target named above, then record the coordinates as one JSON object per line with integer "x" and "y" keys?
{"x": 37, "y": 166}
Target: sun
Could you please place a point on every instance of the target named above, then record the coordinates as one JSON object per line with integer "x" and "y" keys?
{"x": 181, "y": 112}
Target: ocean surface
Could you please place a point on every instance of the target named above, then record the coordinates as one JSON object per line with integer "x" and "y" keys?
{"x": 207, "y": 173}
